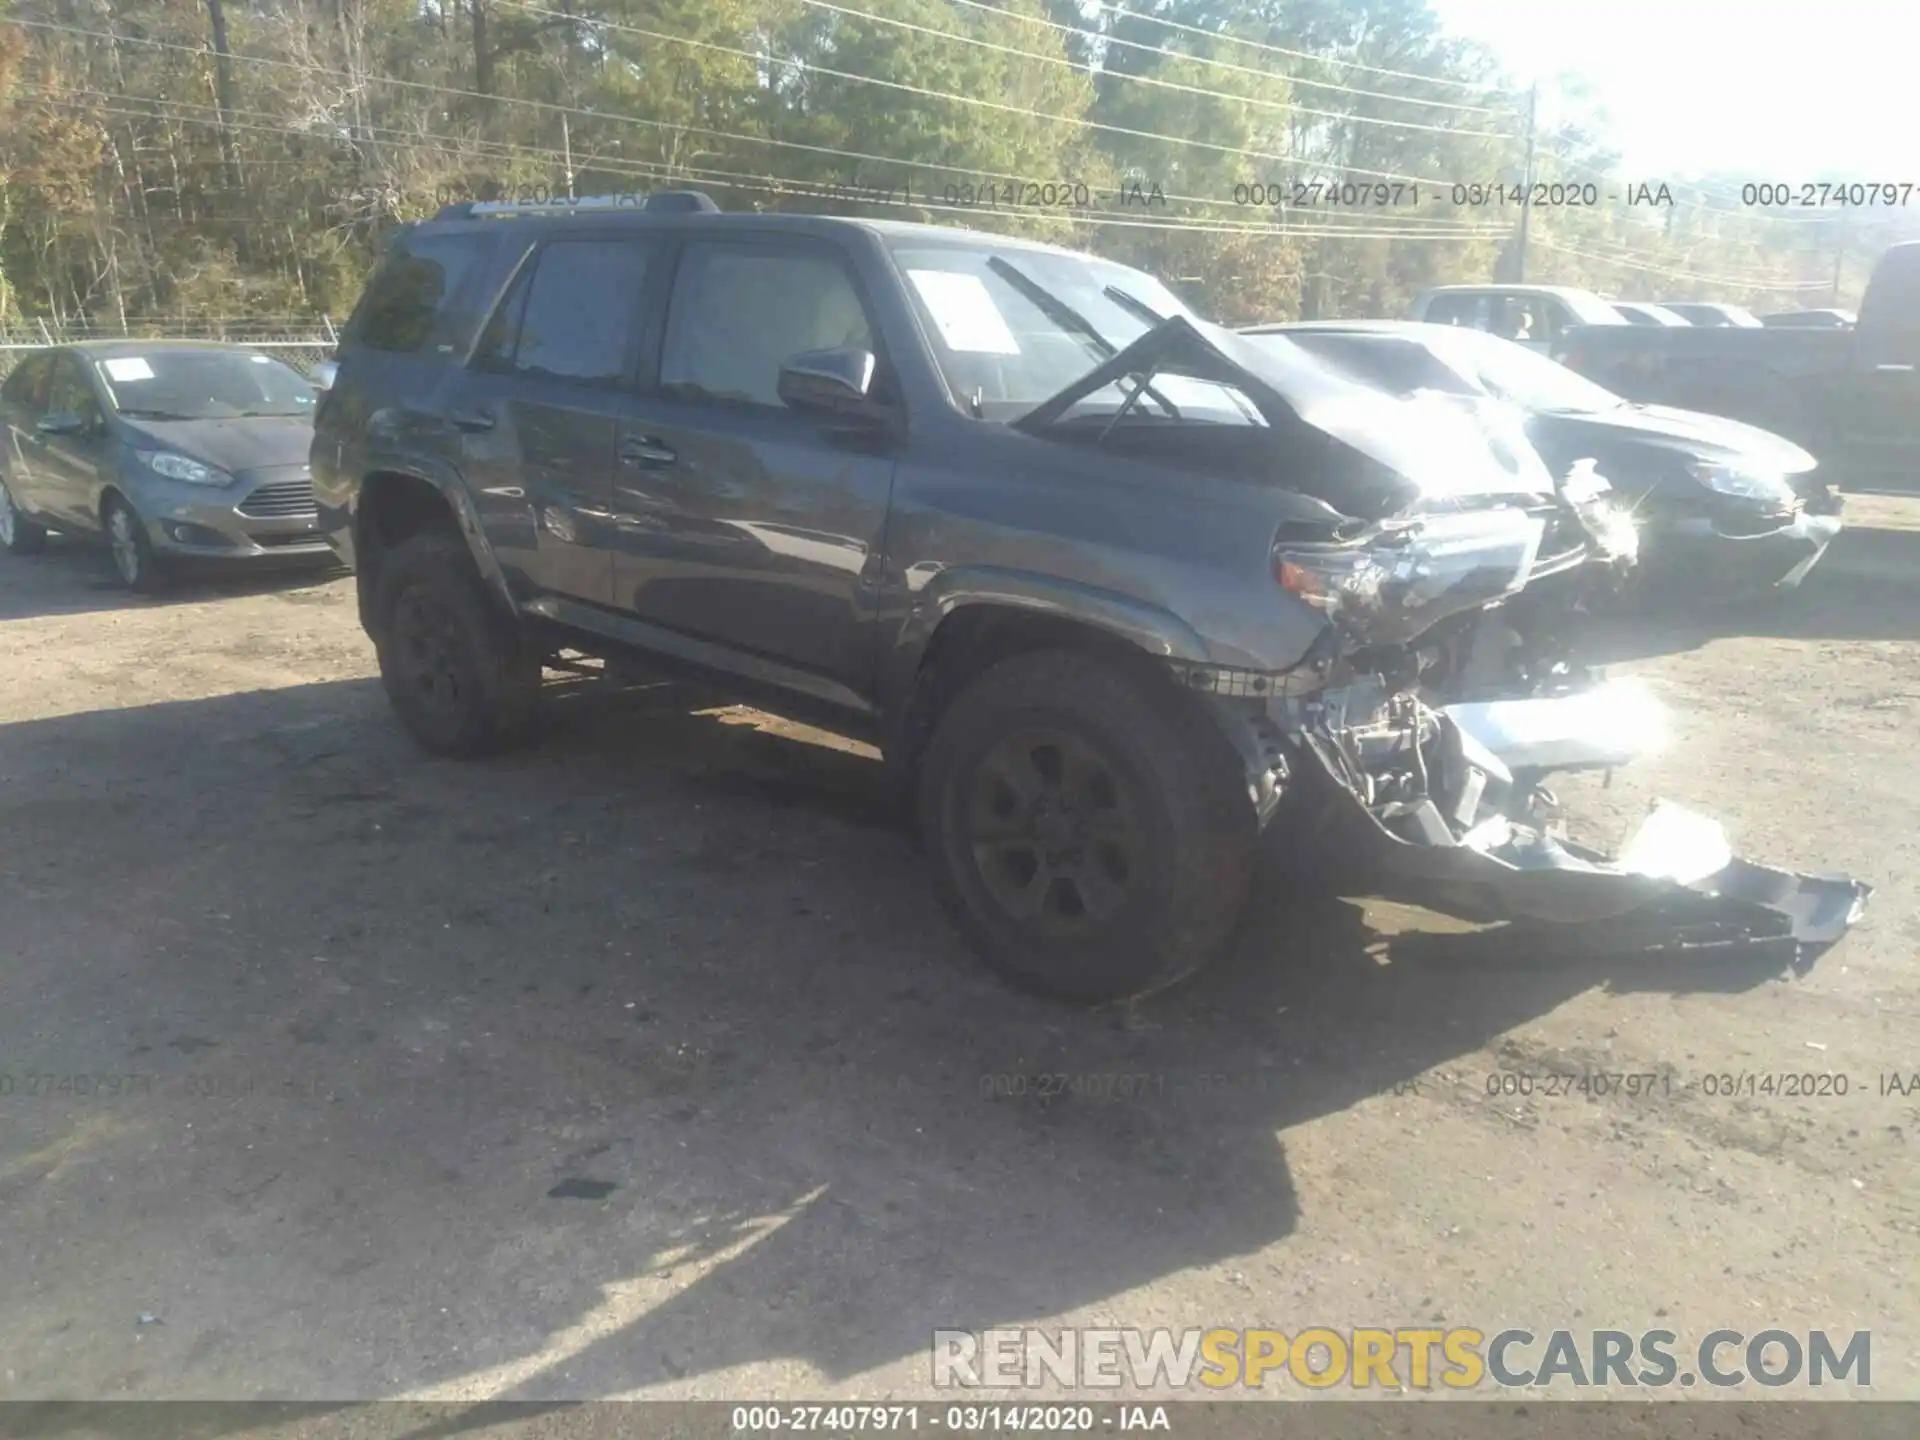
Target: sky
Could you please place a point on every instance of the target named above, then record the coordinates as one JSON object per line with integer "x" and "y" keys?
{"x": 1792, "y": 89}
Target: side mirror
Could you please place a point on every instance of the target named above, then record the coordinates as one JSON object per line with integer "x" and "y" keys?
{"x": 62, "y": 422}
{"x": 323, "y": 373}
{"x": 835, "y": 383}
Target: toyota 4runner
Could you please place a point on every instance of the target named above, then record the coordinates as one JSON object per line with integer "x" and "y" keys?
{"x": 1111, "y": 588}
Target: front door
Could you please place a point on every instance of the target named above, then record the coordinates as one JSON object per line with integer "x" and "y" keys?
{"x": 743, "y": 523}
{"x": 70, "y": 472}
{"x": 23, "y": 400}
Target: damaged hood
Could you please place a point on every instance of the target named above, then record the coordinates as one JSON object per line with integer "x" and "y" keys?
{"x": 1441, "y": 449}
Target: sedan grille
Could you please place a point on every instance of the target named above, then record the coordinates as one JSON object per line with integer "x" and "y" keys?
{"x": 282, "y": 497}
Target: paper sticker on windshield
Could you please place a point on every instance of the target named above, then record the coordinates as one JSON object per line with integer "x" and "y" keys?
{"x": 964, "y": 310}
{"x": 133, "y": 369}
{"x": 260, "y": 359}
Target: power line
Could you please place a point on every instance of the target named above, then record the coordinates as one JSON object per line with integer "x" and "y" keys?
{"x": 1124, "y": 13}
{"x": 549, "y": 106}
{"x": 789, "y": 187}
{"x": 552, "y": 107}
{"x": 1081, "y": 122}
{"x": 1153, "y": 80}
{"x": 1217, "y": 64}
{"x": 1674, "y": 274}
{"x": 453, "y": 147}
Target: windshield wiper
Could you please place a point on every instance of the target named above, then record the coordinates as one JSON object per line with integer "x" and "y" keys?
{"x": 1136, "y": 308}
{"x": 1072, "y": 321}
{"x": 141, "y": 414}
{"x": 1052, "y": 306}
{"x": 268, "y": 414}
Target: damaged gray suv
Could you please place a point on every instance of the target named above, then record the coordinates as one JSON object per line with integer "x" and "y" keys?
{"x": 1113, "y": 589}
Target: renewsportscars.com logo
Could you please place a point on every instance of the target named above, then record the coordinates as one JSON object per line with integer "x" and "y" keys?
{"x": 1320, "y": 1358}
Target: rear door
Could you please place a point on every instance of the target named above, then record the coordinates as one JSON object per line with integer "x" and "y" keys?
{"x": 537, "y": 413}
{"x": 743, "y": 523}
{"x": 1878, "y": 409}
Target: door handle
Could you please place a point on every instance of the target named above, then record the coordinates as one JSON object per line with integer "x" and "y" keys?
{"x": 1893, "y": 369}
{"x": 472, "y": 420}
{"x": 647, "y": 450}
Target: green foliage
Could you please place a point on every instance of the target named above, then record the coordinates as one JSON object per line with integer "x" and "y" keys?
{"x": 127, "y": 190}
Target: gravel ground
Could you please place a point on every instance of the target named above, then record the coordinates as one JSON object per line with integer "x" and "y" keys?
{"x": 645, "y": 1063}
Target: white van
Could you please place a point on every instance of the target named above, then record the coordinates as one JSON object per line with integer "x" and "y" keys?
{"x": 1534, "y": 315}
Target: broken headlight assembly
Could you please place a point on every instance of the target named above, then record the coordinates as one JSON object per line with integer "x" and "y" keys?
{"x": 1389, "y": 585}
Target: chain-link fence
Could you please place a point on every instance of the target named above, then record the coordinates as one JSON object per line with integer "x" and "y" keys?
{"x": 301, "y": 341}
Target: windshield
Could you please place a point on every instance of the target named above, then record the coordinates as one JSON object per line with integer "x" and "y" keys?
{"x": 203, "y": 385}
{"x": 1524, "y": 377}
{"x": 1012, "y": 327}
{"x": 1399, "y": 364}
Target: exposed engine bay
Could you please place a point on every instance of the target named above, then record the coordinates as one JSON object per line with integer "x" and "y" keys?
{"x": 1440, "y": 740}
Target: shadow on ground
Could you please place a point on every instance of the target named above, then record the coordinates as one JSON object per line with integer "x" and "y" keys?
{"x": 74, "y": 577}
{"x": 654, "y": 1043}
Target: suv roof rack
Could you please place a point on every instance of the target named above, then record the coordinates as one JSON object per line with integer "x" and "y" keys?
{"x": 677, "y": 202}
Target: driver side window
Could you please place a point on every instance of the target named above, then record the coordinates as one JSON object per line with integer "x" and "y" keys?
{"x": 740, "y": 311}
{"x": 26, "y": 388}
{"x": 70, "y": 393}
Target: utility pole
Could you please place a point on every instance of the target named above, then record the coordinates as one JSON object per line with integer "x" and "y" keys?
{"x": 566, "y": 150}
{"x": 1839, "y": 255}
{"x": 1526, "y": 196}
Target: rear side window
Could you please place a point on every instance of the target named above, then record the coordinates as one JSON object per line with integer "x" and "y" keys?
{"x": 27, "y": 386}
{"x": 412, "y": 289}
{"x": 572, "y": 314}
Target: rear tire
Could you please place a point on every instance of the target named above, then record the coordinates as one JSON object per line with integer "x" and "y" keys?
{"x": 18, "y": 534}
{"x": 1086, "y": 834}
{"x": 132, "y": 552}
{"x": 461, "y": 674}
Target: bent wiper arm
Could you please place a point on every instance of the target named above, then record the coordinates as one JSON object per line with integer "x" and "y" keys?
{"x": 1069, "y": 319}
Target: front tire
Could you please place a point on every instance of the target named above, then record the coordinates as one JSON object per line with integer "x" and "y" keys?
{"x": 133, "y": 558}
{"x": 18, "y": 534}
{"x": 461, "y": 673}
{"x": 1088, "y": 836}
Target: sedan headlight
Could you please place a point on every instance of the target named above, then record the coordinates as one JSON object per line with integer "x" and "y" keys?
{"x": 1765, "y": 485}
{"x": 181, "y": 467}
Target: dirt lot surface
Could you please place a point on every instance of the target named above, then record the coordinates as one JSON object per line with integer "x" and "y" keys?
{"x": 645, "y": 1063}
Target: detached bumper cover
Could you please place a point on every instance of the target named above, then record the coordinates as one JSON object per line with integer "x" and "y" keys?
{"x": 1477, "y": 844}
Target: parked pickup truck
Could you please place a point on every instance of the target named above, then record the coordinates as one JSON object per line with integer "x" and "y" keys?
{"x": 1850, "y": 396}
